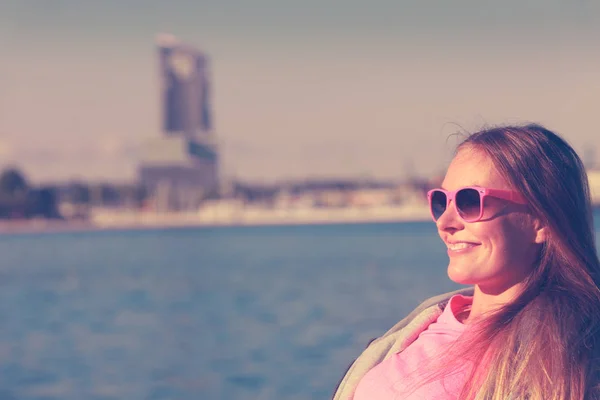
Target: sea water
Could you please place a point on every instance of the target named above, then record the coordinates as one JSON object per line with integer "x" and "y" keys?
{"x": 205, "y": 313}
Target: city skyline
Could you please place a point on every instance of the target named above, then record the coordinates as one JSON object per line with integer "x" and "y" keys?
{"x": 298, "y": 90}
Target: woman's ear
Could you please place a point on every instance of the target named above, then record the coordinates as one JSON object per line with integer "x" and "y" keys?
{"x": 541, "y": 232}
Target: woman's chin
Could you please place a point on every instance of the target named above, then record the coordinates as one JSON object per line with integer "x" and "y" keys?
{"x": 461, "y": 277}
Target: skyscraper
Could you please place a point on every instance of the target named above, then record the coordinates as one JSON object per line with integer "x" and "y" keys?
{"x": 180, "y": 167}
{"x": 185, "y": 88}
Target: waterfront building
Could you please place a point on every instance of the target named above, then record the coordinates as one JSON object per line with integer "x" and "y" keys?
{"x": 180, "y": 167}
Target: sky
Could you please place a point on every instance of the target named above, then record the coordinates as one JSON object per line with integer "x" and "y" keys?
{"x": 312, "y": 88}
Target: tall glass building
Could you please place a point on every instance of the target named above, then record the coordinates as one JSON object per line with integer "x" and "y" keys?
{"x": 180, "y": 167}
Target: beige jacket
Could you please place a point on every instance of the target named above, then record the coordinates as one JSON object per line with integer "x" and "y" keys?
{"x": 398, "y": 338}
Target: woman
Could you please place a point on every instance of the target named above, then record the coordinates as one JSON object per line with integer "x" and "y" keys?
{"x": 516, "y": 217}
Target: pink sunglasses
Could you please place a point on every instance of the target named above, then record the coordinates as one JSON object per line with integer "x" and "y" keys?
{"x": 468, "y": 200}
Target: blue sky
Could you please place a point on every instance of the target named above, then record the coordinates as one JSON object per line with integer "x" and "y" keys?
{"x": 310, "y": 88}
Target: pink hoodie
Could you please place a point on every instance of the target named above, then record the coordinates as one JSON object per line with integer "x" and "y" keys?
{"x": 397, "y": 376}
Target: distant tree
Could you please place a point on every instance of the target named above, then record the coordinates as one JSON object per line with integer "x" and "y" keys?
{"x": 42, "y": 203}
{"x": 13, "y": 194}
{"x": 132, "y": 195}
{"x": 109, "y": 195}
{"x": 13, "y": 183}
{"x": 78, "y": 193}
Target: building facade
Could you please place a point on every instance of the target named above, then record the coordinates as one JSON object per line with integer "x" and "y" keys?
{"x": 180, "y": 167}
{"x": 184, "y": 88}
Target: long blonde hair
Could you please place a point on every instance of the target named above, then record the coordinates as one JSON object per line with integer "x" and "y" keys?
{"x": 545, "y": 344}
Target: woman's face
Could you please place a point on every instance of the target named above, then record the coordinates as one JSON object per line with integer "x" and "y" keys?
{"x": 497, "y": 252}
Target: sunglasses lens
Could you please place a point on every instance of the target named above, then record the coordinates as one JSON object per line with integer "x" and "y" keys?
{"x": 468, "y": 204}
{"x": 438, "y": 204}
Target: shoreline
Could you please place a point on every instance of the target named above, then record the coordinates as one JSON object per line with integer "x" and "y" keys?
{"x": 122, "y": 221}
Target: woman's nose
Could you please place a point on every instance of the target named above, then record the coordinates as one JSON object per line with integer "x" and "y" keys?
{"x": 450, "y": 220}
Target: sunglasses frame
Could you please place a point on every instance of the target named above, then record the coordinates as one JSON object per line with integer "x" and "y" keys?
{"x": 509, "y": 195}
